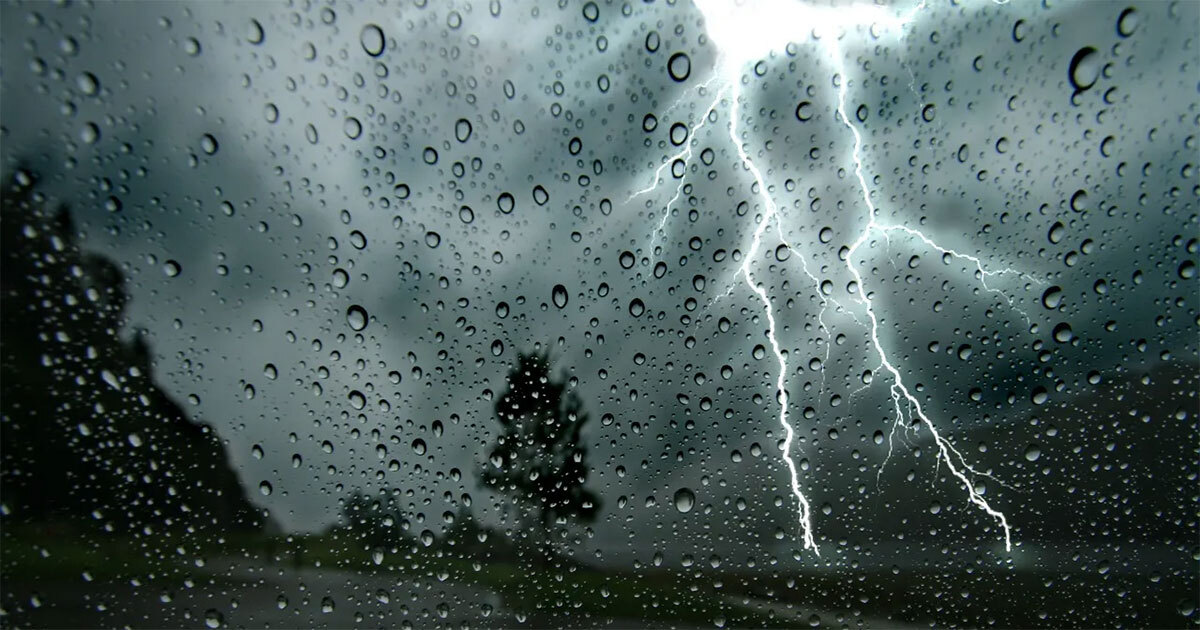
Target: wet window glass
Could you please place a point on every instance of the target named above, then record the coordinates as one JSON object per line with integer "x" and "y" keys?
{"x": 697, "y": 314}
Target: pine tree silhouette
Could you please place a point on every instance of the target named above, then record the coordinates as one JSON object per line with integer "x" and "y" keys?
{"x": 538, "y": 458}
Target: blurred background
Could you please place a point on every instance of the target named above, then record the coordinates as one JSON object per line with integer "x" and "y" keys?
{"x": 473, "y": 314}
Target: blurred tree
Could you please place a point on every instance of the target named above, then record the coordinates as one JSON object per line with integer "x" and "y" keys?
{"x": 538, "y": 458}
{"x": 88, "y": 437}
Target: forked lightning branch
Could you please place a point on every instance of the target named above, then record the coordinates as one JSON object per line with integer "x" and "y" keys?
{"x": 745, "y": 32}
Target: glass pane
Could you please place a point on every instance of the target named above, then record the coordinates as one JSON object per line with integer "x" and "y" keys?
{"x": 629, "y": 314}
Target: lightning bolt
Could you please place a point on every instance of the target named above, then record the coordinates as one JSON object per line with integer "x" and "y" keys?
{"x": 752, "y": 29}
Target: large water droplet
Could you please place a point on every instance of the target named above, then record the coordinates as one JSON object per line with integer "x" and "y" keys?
{"x": 1084, "y": 68}
{"x": 685, "y": 499}
{"x": 372, "y": 40}
{"x": 558, "y": 295}
{"x": 679, "y": 66}
{"x": 356, "y": 316}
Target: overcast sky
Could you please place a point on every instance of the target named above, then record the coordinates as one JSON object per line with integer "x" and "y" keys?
{"x": 292, "y": 175}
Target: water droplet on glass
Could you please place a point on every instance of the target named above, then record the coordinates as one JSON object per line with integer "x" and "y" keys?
{"x": 558, "y": 295}
{"x": 88, "y": 83}
{"x": 591, "y": 12}
{"x": 254, "y": 33}
{"x": 679, "y": 66}
{"x": 1052, "y": 297}
{"x": 804, "y": 111}
{"x": 1127, "y": 22}
{"x": 1084, "y": 68}
{"x": 372, "y": 40}
{"x": 1033, "y": 452}
{"x": 356, "y": 316}
{"x": 265, "y": 488}
{"x": 506, "y": 202}
{"x": 462, "y": 130}
{"x": 685, "y": 499}
{"x": 171, "y": 268}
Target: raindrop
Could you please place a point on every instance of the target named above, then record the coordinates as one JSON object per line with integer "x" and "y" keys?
{"x": 340, "y": 278}
{"x": 636, "y": 307}
{"x": 626, "y": 259}
{"x": 356, "y": 316}
{"x": 462, "y": 130}
{"x": 804, "y": 111}
{"x": 1079, "y": 201}
{"x": 1056, "y": 233}
{"x": 1084, "y": 68}
{"x": 685, "y": 499}
{"x": 1033, "y": 452}
{"x": 466, "y": 214}
{"x": 679, "y": 133}
{"x": 254, "y": 33}
{"x": 505, "y": 202}
{"x": 88, "y": 83}
{"x": 591, "y": 12}
{"x": 213, "y": 618}
{"x": 265, "y": 488}
{"x": 497, "y": 348}
{"x": 1052, "y": 297}
{"x": 433, "y": 239}
{"x": 679, "y": 66}
{"x": 418, "y": 446}
{"x": 353, "y": 128}
{"x": 540, "y": 195}
{"x": 372, "y": 40}
{"x": 1127, "y": 22}
{"x": 558, "y": 295}
{"x": 652, "y": 41}
{"x": 172, "y": 269}
{"x": 1062, "y": 333}
{"x": 89, "y": 133}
